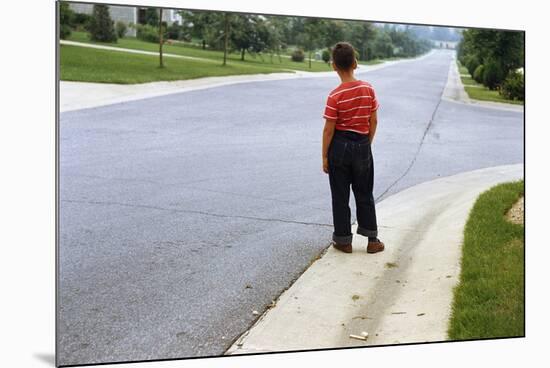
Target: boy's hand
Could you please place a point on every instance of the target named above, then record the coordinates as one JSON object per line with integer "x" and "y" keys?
{"x": 325, "y": 165}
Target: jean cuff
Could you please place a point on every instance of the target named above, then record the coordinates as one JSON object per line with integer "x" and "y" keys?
{"x": 342, "y": 239}
{"x": 368, "y": 233}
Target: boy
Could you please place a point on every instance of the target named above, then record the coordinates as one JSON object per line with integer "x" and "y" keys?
{"x": 349, "y": 130}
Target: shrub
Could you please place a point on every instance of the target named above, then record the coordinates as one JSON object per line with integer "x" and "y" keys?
{"x": 121, "y": 29}
{"x": 298, "y": 55}
{"x": 148, "y": 33}
{"x": 326, "y": 56}
{"x": 472, "y": 63}
{"x": 101, "y": 25}
{"x": 64, "y": 31}
{"x": 492, "y": 74}
{"x": 478, "y": 74}
{"x": 65, "y": 20}
{"x": 513, "y": 87}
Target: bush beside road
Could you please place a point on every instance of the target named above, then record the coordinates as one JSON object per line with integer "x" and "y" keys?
{"x": 478, "y": 91}
{"x": 489, "y": 299}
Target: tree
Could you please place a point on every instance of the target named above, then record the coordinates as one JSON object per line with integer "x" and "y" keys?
{"x": 151, "y": 17}
{"x": 205, "y": 25}
{"x": 66, "y": 16}
{"x": 312, "y": 37}
{"x": 334, "y": 31}
{"x": 362, "y": 35}
{"x": 382, "y": 46}
{"x": 160, "y": 38}
{"x": 500, "y": 52}
{"x": 101, "y": 25}
{"x": 277, "y": 27}
{"x": 262, "y": 38}
{"x": 243, "y": 33}
{"x": 225, "y": 37}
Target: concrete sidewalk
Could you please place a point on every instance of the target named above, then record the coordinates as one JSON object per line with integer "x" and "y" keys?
{"x": 134, "y": 51}
{"x": 401, "y": 295}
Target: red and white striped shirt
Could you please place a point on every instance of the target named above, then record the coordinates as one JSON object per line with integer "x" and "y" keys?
{"x": 351, "y": 105}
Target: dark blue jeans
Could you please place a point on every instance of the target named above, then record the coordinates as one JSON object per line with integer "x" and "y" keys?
{"x": 351, "y": 164}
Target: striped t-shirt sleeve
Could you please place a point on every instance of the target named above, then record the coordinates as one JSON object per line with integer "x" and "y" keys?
{"x": 331, "y": 111}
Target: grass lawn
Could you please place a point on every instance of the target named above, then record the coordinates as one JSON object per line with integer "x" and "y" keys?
{"x": 104, "y": 66}
{"x": 485, "y": 94}
{"x": 188, "y": 50}
{"x": 489, "y": 299}
{"x": 477, "y": 91}
{"x": 108, "y": 66}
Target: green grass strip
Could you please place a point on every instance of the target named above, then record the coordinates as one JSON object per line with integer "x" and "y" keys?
{"x": 104, "y": 66}
{"x": 480, "y": 92}
{"x": 489, "y": 299}
{"x": 234, "y": 58}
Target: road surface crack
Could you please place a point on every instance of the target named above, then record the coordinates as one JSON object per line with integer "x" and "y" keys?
{"x": 411, "y": 164}
{"x": 204, "y": 213}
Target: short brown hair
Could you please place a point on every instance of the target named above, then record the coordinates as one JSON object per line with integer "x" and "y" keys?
{"x": 343, "y": 55}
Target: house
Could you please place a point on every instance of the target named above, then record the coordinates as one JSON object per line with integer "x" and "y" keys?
{"x": 128, "y": 14}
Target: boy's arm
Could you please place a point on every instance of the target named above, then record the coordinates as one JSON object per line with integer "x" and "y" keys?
{"x": 373, "y": 125}
{"x": 328, "y": 133}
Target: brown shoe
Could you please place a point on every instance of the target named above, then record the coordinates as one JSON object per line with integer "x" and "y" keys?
{"x": 346, "y": 248}
{"x": 375, "y": 247}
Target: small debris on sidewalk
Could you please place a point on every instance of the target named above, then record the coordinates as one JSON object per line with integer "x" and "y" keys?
{"x": 255, "y": 312}
{"x": 360, "y": 337}
{"x": 391, "y": 264}
{"x": 399, "y": 313}
{"x": 420, "y": 314}
{"x": 248, "y": 286}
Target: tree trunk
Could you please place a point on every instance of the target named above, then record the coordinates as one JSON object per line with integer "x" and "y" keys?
{"x": 226, "y": 38}
{"x": 242, "y": 54}
{"x": 309, "y": 59}
{"x": 204, "y": 44}
{"x": 160, "y": 38}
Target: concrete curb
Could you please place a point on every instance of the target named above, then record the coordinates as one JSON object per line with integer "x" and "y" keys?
{"x": 401, "y": 295}
{"x": 82, "y": 95}
{"x": 455, "y": 92}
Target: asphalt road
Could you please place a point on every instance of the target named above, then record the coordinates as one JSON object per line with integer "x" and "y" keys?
{"x": 181, "y": 214}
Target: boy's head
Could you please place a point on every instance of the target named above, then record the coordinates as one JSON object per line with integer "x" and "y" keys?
{"x": 343, "y": 57}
